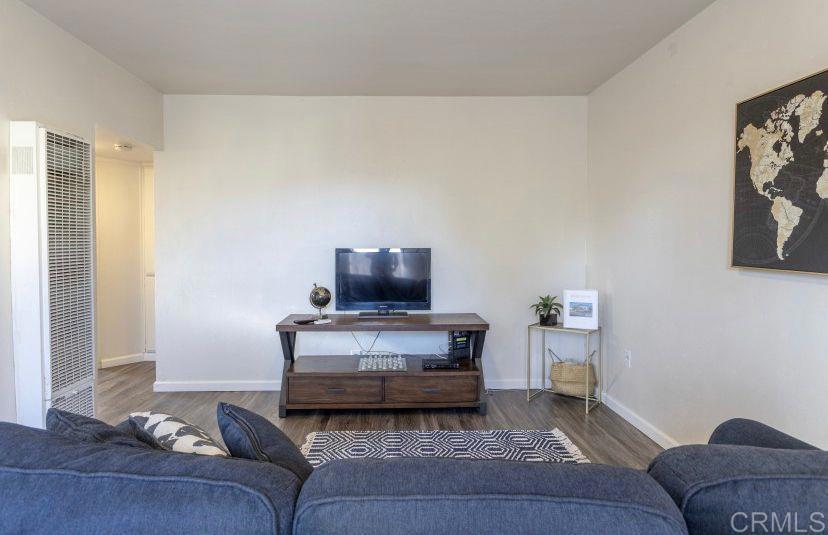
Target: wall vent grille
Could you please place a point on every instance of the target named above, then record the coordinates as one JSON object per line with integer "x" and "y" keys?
{"x": 22, "y": 160}
{"x": 70, "y": 250}
{"x": 78, "y": 401}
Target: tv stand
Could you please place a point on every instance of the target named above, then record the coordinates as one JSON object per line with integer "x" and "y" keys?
{"x": 383, "y": 314}
{"x": 334, "y": 382}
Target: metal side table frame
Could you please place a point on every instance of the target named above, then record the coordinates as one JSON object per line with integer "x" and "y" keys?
{"x": 591, "y": 401}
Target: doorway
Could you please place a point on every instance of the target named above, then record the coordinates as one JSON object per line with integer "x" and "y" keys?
{"x": 125, "y": 260}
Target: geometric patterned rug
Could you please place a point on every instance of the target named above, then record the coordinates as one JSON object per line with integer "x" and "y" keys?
{"x": 513, "y": 445}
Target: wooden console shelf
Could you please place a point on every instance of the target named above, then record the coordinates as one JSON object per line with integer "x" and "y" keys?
{"x": 333, "y": 382}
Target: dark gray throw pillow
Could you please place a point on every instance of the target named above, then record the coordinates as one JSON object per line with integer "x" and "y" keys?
{"x": 250, "y": 436}
{"x": 89, "y": 429}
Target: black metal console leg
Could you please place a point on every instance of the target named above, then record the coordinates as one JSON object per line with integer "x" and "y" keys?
{"x": 478, "y": 338}
{"x": 288, "y": 349}
{"x": 288, "y": 345}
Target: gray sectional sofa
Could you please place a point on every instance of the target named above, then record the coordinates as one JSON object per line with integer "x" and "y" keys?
{"x": 52, "y": 483}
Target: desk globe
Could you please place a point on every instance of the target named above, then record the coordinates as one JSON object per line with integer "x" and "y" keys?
{"x": 320, "y": 297}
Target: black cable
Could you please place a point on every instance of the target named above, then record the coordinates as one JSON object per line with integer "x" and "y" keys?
{"x": 372, "y": 343}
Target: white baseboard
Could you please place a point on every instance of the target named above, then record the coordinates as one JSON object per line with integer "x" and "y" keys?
{"x": 506, "y": 384}
{"x": 215, "y": 386}
{"x": 149, "y": 357}
{"x": 124, "y": 359}
{"x": 657, "y": 435}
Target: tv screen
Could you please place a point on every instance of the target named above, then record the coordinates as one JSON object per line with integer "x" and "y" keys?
{"x": 383, "y": 279}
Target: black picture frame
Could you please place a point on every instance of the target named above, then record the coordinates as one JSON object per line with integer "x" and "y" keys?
{"x": 782, "y": 223}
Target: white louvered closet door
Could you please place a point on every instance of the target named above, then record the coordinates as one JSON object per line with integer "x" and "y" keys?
{"x": 69, "y": 220}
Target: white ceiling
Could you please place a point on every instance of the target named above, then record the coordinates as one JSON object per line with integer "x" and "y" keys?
{"x": 371, "y": 47}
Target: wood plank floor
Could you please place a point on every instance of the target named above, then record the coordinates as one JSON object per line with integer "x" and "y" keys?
{"x": 603, "y": 436}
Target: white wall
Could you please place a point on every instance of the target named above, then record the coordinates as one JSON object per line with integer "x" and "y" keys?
{"x": 253, "y": 194}
{"x": 49, "y": 76}
{"x": 148, "y": 246}
{"x": 119, "y": 297}
{"x": 708, "y": 342}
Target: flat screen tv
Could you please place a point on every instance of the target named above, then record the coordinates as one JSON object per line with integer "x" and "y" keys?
{"x": 383, "y": 280}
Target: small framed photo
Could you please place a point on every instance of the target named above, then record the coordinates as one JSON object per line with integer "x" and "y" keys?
{"x": 580, "y": 309}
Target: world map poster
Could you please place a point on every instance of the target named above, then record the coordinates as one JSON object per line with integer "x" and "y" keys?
{"x": 779, "y": 213}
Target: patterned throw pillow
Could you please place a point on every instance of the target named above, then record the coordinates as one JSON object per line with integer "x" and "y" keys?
{"x": 170, "y": 433}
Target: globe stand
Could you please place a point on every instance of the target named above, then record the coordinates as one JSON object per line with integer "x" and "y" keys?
{"x": 319, "y": 299}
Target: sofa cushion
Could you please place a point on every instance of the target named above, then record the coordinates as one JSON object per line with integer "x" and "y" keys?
{"x": 724, "y": 489}
{"x": 447, "y": 496}
{"x": 162, "y": 431}
{"x": 54, "y": 484}
{"x": 89, "y": 429}
{"x": 250, "y": 436}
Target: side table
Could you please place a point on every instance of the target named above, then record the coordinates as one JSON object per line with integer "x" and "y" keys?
{"x": 591, "y": 400}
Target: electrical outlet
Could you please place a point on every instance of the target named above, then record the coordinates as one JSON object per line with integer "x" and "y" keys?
{"x": 628, "y": 358}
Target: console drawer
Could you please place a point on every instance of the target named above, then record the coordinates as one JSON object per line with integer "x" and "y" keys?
{"x": 420, "y": 389}
{"x": 334, "y": 389}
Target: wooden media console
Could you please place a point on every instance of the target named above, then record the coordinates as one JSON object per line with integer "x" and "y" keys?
{"x": 333, "y": 382}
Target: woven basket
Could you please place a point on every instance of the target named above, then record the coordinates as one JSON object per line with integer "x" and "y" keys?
{"x": 570, "y": 378}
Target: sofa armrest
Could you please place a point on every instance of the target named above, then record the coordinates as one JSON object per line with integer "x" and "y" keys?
{"x": 718, "y": 487}
{"x": 429, "y": 496}
{"x": 743, "y": 432}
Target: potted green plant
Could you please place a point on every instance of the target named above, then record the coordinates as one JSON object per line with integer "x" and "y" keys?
{"x": 547, "y": 309}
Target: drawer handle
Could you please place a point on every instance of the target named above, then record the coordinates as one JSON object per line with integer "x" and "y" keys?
{"x": 331, "y": 390}
{"x": 428, "y": 390}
